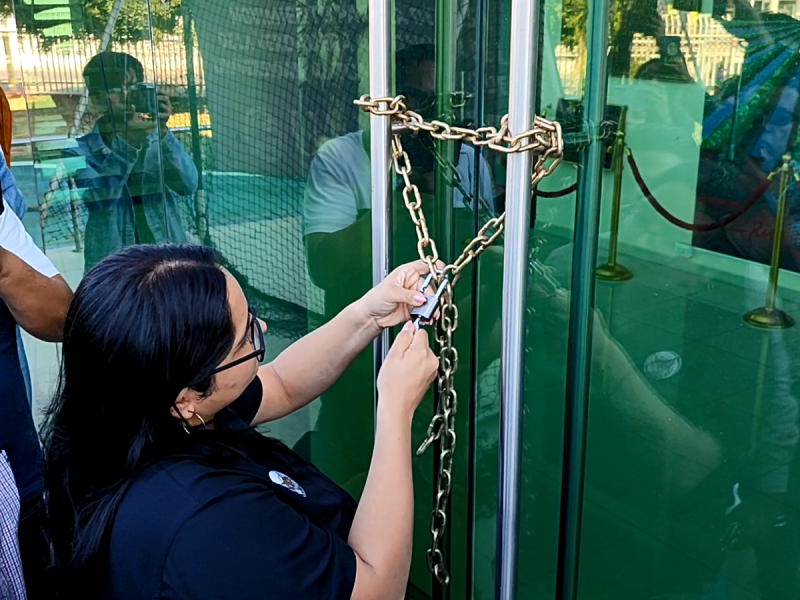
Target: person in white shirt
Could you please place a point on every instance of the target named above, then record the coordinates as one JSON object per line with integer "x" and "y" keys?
{"x": 337, "y": 229}
{"x": 34, "y": 296}
{"x": 336, "y": 211}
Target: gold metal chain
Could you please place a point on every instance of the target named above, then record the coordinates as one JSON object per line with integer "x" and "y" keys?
{"x": 546, "y": 143}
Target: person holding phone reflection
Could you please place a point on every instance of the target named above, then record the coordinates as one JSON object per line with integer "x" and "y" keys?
{"x": 337, "y": 230}
{"x": 135, "y": 171}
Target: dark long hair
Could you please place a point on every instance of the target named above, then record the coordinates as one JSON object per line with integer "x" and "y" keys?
{"x": 144, "y": 324}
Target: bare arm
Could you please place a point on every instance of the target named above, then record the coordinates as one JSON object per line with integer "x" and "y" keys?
{"x": 310, "y": 366}
{"x": 381, "y": 535}
{"x": 313, "y": 363}
{"x": 693, "y": 453}
{"x": 383, "y": 527}
{"x": 38, "y": 303}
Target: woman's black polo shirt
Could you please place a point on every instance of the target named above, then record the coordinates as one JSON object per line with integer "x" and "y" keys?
{"x": 225, "y": 525}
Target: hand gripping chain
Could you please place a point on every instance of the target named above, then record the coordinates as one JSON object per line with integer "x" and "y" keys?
{"x": 545, "y": 141}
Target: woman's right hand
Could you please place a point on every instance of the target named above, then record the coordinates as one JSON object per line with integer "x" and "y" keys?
{"x": 407, "y": 373}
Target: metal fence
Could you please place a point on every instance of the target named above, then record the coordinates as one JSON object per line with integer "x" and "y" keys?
{"x": 58, "y": 68}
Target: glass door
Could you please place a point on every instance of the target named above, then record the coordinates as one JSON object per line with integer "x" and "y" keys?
{"x": 435, "y": 63}
{"x": 660, "y": 402}
{"x": 460, "y": 74}
{"x": 550, "y": 363}
{"x": 660, "y": 410}
{"x": 692, "y": 431}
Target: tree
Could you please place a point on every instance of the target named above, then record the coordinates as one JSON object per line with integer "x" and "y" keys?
{"x": 627, "y": 17}
{"x": 573, "y": 23}
{"x": 56, "y": 20}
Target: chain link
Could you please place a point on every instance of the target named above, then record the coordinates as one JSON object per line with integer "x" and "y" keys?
{"x": 545, "y": 142}
{"x": 544, "y": 139}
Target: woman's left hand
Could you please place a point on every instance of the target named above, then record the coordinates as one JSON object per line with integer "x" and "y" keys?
{"x": 390, "y": 302}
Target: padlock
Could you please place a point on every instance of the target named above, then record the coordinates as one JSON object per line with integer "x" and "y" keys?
{"x": 422, "y": 315}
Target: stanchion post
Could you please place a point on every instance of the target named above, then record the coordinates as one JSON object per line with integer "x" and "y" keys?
{"x": 768, "y": 316}
{"x": 611, "y": 271}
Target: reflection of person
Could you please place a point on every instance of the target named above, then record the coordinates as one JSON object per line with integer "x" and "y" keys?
{"x": 631, "y": 17}
{"x": 34, "y": 296}
{"x": 164, "y": 489}
{"x": 12, "y": 195}
{"x": 135, "y": 169}
{"x": 669, "y": 66}
{"x": 638, "y": 442}
{"x": 337, "y": 229}
{"x": 336, "y": 217}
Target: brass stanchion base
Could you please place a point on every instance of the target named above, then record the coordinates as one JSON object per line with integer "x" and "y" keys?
{"x": 609, "y": 272}
{"x": 767, "y": 318}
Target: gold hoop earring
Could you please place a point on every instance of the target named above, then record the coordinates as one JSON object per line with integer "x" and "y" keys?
{"x": 182, "y": 419}
{"x": 202, "y": 420}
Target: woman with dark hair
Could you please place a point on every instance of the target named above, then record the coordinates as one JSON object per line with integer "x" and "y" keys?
{"x": 157, "y": 484}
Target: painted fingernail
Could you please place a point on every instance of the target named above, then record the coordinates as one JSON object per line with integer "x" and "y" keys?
{"x": 420, "y": 299}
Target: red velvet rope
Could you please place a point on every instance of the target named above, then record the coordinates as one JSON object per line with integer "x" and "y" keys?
{"x": 748, "y": 204}
{"x": 559, "y": 193}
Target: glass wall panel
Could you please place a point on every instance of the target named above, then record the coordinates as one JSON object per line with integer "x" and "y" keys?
{"x": 691, "y": 478}
{"x": 693, "y": 411}
{"x": 260, "y": 154}
{"x": 238, "y": 156}
{"x": 252, "y": 94}
{"x": 560, "y": 96}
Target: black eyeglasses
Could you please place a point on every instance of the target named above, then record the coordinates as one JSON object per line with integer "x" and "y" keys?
{"x": 257, "y": 336}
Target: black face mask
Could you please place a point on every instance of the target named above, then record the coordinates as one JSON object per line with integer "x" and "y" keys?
{"x": 419, "y": 148}
{"x": 420, "y": 101}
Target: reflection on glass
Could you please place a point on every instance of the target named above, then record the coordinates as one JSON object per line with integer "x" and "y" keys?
{"x": 134, "y": 169}
{"x": 337, "y": 224}
{"x": 691, "y": 483}
{"x": 692, "y": 477}
{"x": 57, "y": 167}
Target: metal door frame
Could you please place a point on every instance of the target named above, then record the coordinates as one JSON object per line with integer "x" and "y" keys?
{"x": 380, "y": 86}
{"x": 581, "y": 320}
{"x": 523, "y": 60}
{"x": 523, "y": 91}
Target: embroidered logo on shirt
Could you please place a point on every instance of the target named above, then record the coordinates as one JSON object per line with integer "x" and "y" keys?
{"x": 287, "y": 482}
